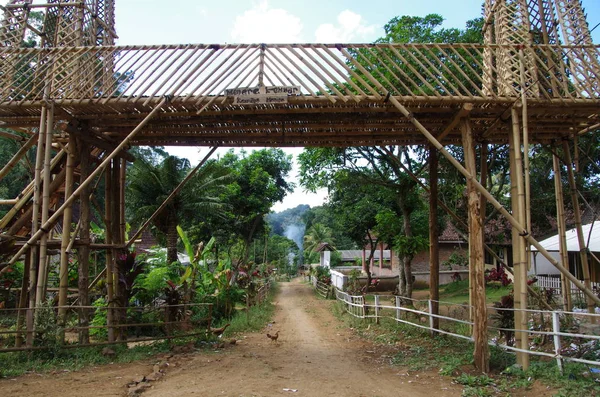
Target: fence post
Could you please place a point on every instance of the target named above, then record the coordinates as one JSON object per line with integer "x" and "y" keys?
{"x": 376, "y": 309}
{"x": 398, "y": 312}
{"x": 364, "y": 308}
{"x": 555, "y": 332}
{"x": 431, "y": 328}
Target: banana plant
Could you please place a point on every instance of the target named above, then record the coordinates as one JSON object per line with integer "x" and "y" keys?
{"x": 198, "y": 264}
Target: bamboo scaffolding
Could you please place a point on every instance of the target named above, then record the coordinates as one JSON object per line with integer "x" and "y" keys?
{"x": 35, "y": 236}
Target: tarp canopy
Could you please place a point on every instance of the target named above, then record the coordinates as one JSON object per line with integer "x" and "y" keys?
{"x": 552, "y": 243}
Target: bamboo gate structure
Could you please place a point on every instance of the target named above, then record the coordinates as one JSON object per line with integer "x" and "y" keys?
{"x": 83, "y": 101}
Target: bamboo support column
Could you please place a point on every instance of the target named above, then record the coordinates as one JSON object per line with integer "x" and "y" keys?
{"x": 83, "y": 250}
{"x": 525, "y": 122}
{"x": 562, "y": 238}
{"x": 66, "y": 234}
{"x": 108, "y": 239}
{"x": 476, "y": 264}
{"x": 37, "y": 185}
{"x": 518, "y": 243}
{"x": 43, "y": 264}
{"x": 118, "y": 314}
{"x": 122, "y": 180}
{"x": 434, "y": 254}
{"x": 580, "y": 236}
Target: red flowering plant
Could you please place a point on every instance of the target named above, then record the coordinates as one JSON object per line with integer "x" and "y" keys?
{"x": 498, "y": 276}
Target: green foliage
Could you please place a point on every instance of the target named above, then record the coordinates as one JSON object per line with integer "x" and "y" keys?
{"x": 47, "y": 331}
{"x": 456, "y": 258}
{"x": 409, "y": 246}
{"x": 99, "y": 320}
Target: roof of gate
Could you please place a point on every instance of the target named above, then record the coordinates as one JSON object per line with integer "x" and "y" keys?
{"x": 292, "y": 95}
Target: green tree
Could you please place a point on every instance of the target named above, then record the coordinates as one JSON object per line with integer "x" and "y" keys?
{"x": 150, "y": 184}
{"x": 259, "y": 181}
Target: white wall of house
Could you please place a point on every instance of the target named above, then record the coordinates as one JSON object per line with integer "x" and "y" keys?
{"x": 326, "y": 258}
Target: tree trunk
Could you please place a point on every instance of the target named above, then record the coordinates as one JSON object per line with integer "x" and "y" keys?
{"x": 172, "y": 240}
{"x": 407, "y": 261}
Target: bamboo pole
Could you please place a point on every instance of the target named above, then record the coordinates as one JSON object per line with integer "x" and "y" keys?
{"x": 519, "y": 249}
{"x": 33, "y": 270}
{"x": 35, "y": 237}
{"x": 476, "y": 263}
{"x": 83, "y": 251}
{"x": 66, "y": 233}
{"x": 434, "y": 253}
{"x": 116, "y": 234}
{"x": 108, "y": 239}
{"x": 40, "y": 296}
{"x": 562, "y": 239}
{"x": 577, "y": 212}
{"x": 525, "y": 123}
{"x": 122, "y": 222}
{"x": 18, "y": 156}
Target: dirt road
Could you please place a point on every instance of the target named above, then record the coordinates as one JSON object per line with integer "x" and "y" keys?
{"x": 315, "y": 356}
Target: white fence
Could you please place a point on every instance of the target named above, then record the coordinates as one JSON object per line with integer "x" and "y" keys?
{"x": 338, "y": 279}
{"x": 555, "y": 284}
{"x": 546, "y": 325}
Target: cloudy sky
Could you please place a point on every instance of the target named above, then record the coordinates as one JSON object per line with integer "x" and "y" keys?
{"x": 282, "y": 21}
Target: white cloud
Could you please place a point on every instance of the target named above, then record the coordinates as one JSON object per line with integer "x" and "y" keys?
{"x": 350, "y": 28}
{"x": 263, "y": 24}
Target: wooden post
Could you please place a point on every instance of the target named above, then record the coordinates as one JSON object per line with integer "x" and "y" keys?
{"x": 476, "y": 265}
{"x": 519, "y": 252}
{"x": 483, "y": 180}
{"x": 562, "y": 238}
{"x": 108, "y": 237}
{"x": 585, "y": 266}
{"x": 83, "y": 250}
{"x": 66, "y": 234}
{"x": 434, "y": 254}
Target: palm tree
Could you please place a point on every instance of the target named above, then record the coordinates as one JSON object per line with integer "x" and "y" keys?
{"x": 315, "y": 235}
{"x": 150, "y": 184}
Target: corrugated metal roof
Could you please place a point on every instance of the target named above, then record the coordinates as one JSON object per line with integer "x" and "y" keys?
{"x": 552, "y": 243}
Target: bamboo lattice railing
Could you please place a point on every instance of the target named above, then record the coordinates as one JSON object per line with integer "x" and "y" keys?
{"x": 457, "y": 71}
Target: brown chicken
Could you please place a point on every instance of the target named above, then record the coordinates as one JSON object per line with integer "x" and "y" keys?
{"x": 218, "y": 332}
{"x": 274, "y": 336}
